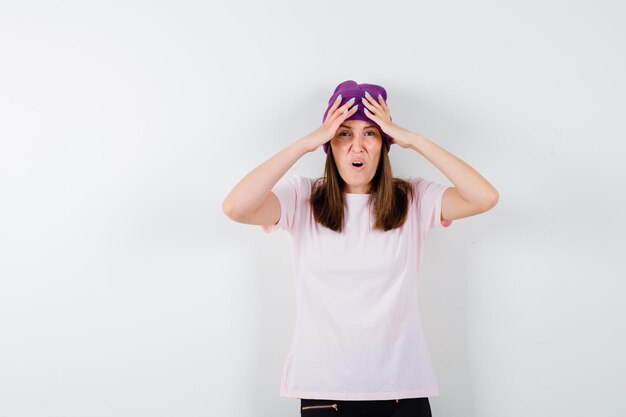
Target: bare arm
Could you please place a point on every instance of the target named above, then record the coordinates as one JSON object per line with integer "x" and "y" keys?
{"x": 251, "y": 200}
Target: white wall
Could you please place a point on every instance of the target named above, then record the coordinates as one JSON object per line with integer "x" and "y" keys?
{"x": 124, "y": 290}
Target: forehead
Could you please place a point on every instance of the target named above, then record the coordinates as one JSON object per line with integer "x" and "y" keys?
{"x": 356, "y": 124}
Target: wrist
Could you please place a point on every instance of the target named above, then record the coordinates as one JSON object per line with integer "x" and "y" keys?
{"x": 302, "y": 146}
{"x": 417, "y": 141}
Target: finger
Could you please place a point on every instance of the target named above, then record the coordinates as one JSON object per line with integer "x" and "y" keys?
{"x": 333, "y": 108}
{"x": 379, "y": 108}
{"x": 366, "y": 103}
{"x": 375, "y": 111}
{"x": 372, "y": 109}
{"x": 350, "y": 111}
{"x": 371, "y": 115}
{"x": 382, "y": 102}
{"x": 340, "y": 111}
{"x": 369, "y": 102}
{"x": 336, "y": 103}
{"x": 343, "y": 116}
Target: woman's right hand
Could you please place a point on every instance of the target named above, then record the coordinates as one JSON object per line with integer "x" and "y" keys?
{"x": 328, "y": 129}
{"x": 251, "y": 200}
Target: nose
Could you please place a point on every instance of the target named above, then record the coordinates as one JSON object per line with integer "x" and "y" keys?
{"x": 357, "y": 143}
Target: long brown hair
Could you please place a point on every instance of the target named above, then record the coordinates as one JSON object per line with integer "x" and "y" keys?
{"x": 388, "y": 195}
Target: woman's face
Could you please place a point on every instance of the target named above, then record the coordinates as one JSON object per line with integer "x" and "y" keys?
{"x": 357, "y": 141}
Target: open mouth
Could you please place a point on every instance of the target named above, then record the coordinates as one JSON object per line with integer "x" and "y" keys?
{"x": 358, "y": 165}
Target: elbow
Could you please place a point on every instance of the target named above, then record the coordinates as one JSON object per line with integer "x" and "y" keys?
{"x": 492, "y": 200}
{"x": 229, "y": 210}
{"x": 488, "y": 202}
{"x": 234, "y": 211}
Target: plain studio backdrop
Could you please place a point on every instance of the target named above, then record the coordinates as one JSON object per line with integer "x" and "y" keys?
{"x": 125, "y": 290}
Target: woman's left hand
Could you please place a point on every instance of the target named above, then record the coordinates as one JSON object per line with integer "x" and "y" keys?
{"x": 379, "y": 113}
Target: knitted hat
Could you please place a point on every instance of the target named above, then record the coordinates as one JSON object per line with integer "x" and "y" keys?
{"x": 349, "y": 89}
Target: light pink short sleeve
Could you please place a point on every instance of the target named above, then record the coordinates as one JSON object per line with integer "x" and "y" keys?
{"x": 429, "y": 195}
{"x": 290, "y": 192}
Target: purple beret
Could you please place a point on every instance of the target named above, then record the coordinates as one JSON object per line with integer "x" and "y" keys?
{"x": 349, "y": 89}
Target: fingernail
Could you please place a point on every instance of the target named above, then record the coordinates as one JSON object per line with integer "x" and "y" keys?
{"x": 338, "y": 97}
{"x": 379, "y": 96}
{"x": 367, "y": 94}
{"x": 351, "y": 100}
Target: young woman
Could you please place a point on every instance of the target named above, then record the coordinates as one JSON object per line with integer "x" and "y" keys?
{"x": 358, "y": 236}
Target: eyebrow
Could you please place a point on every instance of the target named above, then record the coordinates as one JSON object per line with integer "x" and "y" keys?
{"x": 351, "y": 128}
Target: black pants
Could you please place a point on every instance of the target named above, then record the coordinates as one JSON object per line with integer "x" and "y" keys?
{"x": 405, "y": 407}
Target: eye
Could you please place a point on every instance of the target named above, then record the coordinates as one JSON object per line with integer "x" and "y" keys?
{"x": 344, "y": 134}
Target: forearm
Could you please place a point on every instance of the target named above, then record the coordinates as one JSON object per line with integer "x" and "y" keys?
{"x": 471, "y": 185}
{"x": 248, "y": 194}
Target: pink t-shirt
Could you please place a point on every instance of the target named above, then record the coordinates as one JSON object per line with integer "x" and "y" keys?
{"x": 358, "y": 334}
